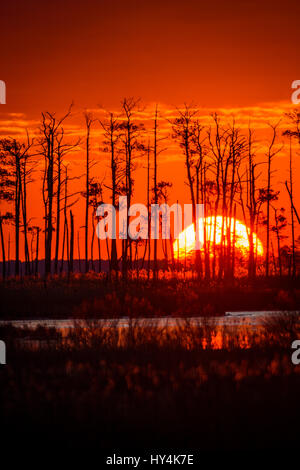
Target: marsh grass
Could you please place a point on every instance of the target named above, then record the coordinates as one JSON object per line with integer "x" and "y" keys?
{"x": 97, "y": 388}
{"x": 96, "y": 296}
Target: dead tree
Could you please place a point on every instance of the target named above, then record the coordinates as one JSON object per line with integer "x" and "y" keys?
{"x": 26, "y": 170}
{"x": 37, "y": 251}
{"x": 162, "y": 188}
{"x": 96, "y": 198}
{"x": 4, "y": 219}
{"x": 111, "y": 128}
{"x": 201, "y": 167}
{"x": 61, "y": 149}
{"x": 237, "y": 149}
{"x": 183, "y": 133}
{"x": 293, "y": 133}
{"x": 218, "y": 141}
{"x": 148, "y": 240}
{"x": 13, "y": 155}
{"x": 6, "y": 195}
{"x": 272, "y": 152}
{"x": 65, "y": 242}
{"x": 35, "y": 233}
{"x": 50, "y": 130}
{"x": 78, "y": 251}
{"x": 89, "y": 163}
{"x": 291, "y": 192}
{"x": 68, "y": 232}
{"x": 252, "y": 201}
{"x": 156, "y": 153}
{"x": 131, "y": 132}
{"x": 71, "y": 242}
{"x": 292, "y": 203}
{"x": 280, "y": 224}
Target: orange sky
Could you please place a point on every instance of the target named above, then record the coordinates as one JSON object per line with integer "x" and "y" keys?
{"x": 97, "y": 51}
{"x": 237, "y": 57}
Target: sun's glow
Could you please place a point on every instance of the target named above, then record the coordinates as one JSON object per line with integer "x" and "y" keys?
{"x": 239, "y": 234}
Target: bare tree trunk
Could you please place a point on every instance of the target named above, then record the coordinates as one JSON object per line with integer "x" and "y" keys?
{"x": 114, "y": 171}
{"x": 233, "y": 244}
{"x": 78, "y": 249}
{"x": 92, "y": 243}
{"x": 198, "y": 179}
{"x": 273, "y": 257}
{"x": 52, "y": 134}
{"x": 67, "y": 242}
{"x": 66, "y": 227}
{"x": 88, "y": 121}
{"x": 216, "y": 149}
{"x": 50, "y": 193}
{"x": 278, "y": 243}
{"x": 292, "y": 211}
{"x": 184, "y": 131}
{"x": 251, "y": 207}
{"x": 17, "y": 212}
{"x": 23, "y": 175}
{"x": 149, "y": 215}
{"x": 131, "y": 135}
{"x": 268, "y": 217}
{"x": 155, "y": 191}
{"x": 58, "y": 195}
{"x": 3, "y": 250}
{"x": 99, "y": 255}
{"x": 147, "y": 241}
{"x": 8, "y": 255}
{"x": 37, "y": 252}
{"x": 206, "y": 242}
{"x": 71, "y": 242}
{"x": 63, "y": 248}
{"x": 271, "y": 154}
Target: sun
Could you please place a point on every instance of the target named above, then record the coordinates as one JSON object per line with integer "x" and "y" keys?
{"x": 185, "y": 243}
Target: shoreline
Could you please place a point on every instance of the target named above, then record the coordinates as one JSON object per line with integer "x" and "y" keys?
{"x": 230, "y": 318}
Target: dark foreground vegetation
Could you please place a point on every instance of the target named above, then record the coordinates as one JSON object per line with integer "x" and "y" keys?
{"x": 104, "y": 389}
{"x": 96, "y": 295}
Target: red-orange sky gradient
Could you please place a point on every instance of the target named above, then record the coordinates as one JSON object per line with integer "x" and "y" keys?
{"x": 97, "y": 51}
{"x": 238, "y": 58}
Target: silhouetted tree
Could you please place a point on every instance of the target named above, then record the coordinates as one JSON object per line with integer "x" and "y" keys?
{"x": 89, "y": 163}
{"x": 269, "y": 193}
{"x": 111, "y": 127}
{"x": 280, "y": 224}
{"x": 131, "y": 132}
{"x": 71, "y": 242}
{"x": 62, "y": 149}
{"x": 183, "y": 133}
{"x": 50, "y": 132}
{"x": 96, "y": 198}
{"x": 162, "y": 196}
{"x": 156, "y": 152}
{"x": 293, "y": 133}
{"x": 13, "y": 156}
{"x": 4, "y": 219}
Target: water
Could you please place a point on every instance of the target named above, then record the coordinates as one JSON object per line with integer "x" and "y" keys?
{"x": 230, "y": 319}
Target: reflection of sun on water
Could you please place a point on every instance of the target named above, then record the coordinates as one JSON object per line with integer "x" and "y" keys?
{"x": 185, "y": 243}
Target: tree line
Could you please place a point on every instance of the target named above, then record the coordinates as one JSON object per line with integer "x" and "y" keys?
{"x": 223, "y": 172}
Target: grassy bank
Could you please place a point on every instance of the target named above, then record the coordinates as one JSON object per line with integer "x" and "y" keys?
{"x": 95, "y": 295}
